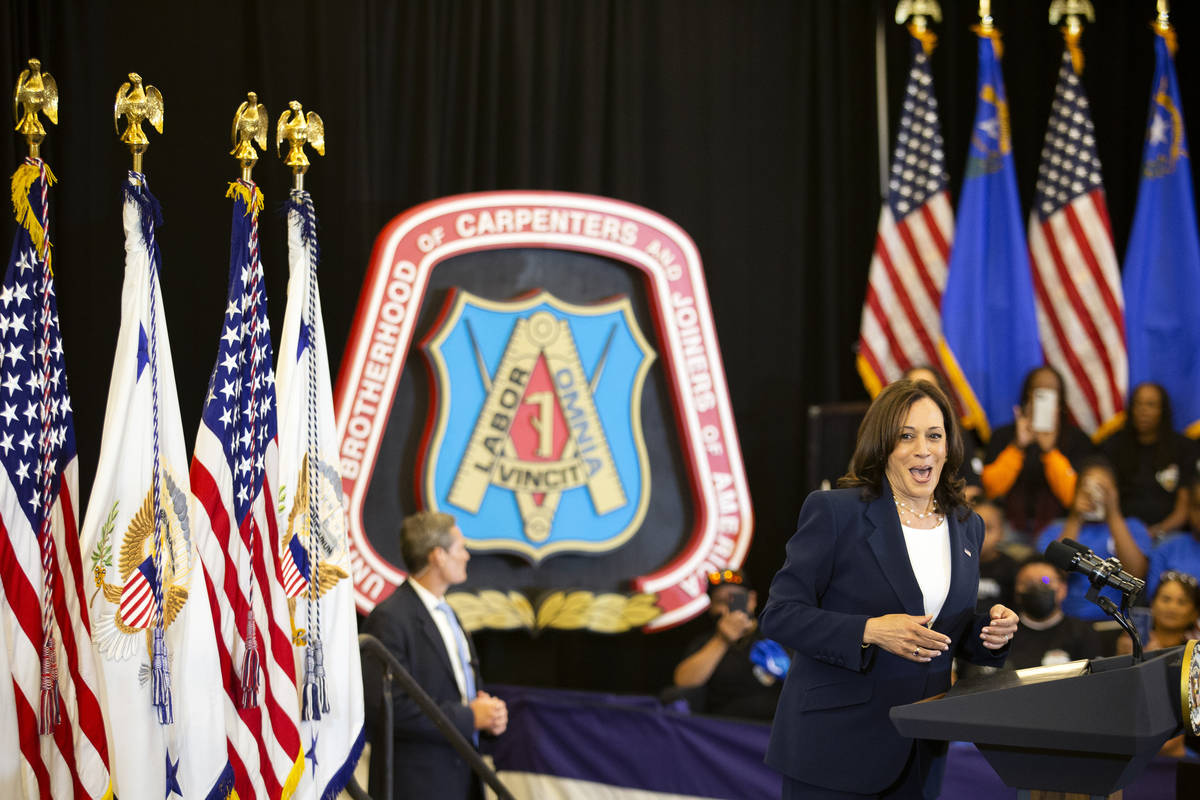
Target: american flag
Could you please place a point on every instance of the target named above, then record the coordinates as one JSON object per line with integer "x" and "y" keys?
{"x": 900, "y": 319}
{"x": 234, "y": 475}
{"x": 40, "y": 564}
{"x": 1077, "y": 284}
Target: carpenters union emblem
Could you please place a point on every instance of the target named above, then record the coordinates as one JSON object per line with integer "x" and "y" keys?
{"x": 536, "y": 445}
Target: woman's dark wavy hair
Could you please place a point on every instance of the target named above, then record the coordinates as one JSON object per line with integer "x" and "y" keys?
{"x": 879, "y": 434}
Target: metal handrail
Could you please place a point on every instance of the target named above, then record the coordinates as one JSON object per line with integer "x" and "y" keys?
{"x": 370, "y": 646}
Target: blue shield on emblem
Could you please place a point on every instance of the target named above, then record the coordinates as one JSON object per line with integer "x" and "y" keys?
{"x": 536, "y": 446}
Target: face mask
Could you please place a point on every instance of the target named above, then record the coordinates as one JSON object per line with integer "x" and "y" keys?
{"x": 1037, "y": 603}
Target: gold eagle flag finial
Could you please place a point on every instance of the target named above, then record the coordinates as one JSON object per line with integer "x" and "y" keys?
{"x": 36, "y": 91}
{"x": 139, "y": 104}
{"x": 1072, "y": 30}
{"x": 298, "y": 129}
{"x": 918, "y": 13}
{"x": 249, "y": 128}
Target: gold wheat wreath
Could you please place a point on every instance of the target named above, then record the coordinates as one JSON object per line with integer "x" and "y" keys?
{"x": 578, "y": 610}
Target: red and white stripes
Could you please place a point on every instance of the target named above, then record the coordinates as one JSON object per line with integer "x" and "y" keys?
{"x": 1080, "y": 309}
{"x": 901, "y": 321}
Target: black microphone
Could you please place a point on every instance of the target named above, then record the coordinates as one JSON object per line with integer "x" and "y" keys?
{"x": 1071, "y": 556}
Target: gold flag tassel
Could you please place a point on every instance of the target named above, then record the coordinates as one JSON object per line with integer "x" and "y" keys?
{"x": 1072, "y": 36}
{"x": 22, "y": 181}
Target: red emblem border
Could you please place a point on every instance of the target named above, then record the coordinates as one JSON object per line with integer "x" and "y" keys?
{"x": 414, "y": 243}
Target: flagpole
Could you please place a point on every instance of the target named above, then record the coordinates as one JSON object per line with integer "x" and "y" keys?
{"x": 37, "y": 92}
{"x": 297, "y": 129}
{"x": 140, "y": 104}
{"x": 249, "y": 128}
{"x": 986, "y": 23}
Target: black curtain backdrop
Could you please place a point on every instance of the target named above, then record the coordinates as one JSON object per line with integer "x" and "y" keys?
{"x": 750, "y": 123}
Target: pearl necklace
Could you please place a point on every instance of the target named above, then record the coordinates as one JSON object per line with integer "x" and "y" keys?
{"x": 904, "y": 508}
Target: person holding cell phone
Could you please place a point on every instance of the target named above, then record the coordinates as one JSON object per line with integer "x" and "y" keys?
{"x": 1095, "y": 521}
{"x": 1031, "y": 463}
{"x": 740, "y": 670}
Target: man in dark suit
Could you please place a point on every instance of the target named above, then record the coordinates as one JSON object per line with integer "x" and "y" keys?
{"x": 421, "y": 631}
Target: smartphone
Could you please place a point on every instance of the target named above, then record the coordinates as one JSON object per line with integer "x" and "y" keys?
{"x": 1045, "y": 410}
{"x": 740, "y": 602}
{"x": 1097, "y": 494}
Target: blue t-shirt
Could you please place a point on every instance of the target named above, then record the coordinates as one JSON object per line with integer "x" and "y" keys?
{"x": 1180, "y": 553}
{"x": 1094, "y": 535}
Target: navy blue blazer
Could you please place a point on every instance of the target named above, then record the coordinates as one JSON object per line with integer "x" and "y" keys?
{"x": 848, "y": 562}
{"x": 425, "y": 765}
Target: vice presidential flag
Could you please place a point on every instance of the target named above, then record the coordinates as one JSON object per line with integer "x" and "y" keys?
{"x": 900, "y": 318}
{"x": 235, "y": 470}
{"x": 52, "y": 741}
{"x": 1162, "y": 262}
{"x": 1079, "y": 301}
{"x": 314, "y": 549}
{"x": 988, "y": 320}
{"x": 149, "y": 605}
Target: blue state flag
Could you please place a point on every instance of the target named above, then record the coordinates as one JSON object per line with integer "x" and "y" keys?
{"x": 989, "y": 320}
{"x": 1162, "y": 264}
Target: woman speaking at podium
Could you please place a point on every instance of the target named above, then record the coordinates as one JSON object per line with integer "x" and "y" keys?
{"x": 877, "y": 597}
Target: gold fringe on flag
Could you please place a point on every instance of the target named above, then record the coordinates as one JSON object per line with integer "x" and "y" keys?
{"x": 293, "y": 778}
{"x": 1167, "y": 32}
{"x": 22, "y": 180}
{"x": 922, "y": 34}
{"x": 253, "y": 201}
{"x": 1072, "y": 37}
{"x": 993, "y": 33}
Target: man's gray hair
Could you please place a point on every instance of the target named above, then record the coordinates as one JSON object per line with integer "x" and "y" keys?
{"x": 420, "y": 533}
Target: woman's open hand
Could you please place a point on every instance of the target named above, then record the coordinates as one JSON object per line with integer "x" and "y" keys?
{"x": 906, "y": 636}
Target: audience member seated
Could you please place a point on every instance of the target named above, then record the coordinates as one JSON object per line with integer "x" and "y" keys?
{"x": 1032, "y": 468}
{"x": 997, "y": 569}
{"x": 1154, "y": 464}
{"x": 1095, "y": 521}
{"x": 972, "y": 462}
{"x": 741, "y": 670}
{"x": 1174, "y": 612}
{"x": 1045, "y": 635}
{"x": 1179, "y": 553}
